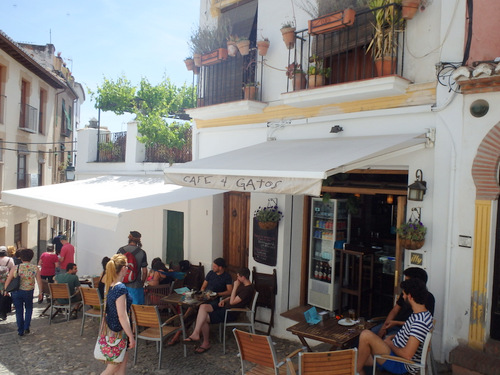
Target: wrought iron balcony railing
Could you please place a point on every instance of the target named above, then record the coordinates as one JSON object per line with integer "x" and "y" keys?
{"x": 366, "y": 49}
{"x": 162, "y": 154}
{"x": 112, "y": 147}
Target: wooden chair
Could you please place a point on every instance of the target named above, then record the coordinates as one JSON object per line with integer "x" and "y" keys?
{"x": 335, "y": 362}
{"x": 91, "y": 297}
{"x": 195, "y": 276}
{"x": 154, "y": 295}
{"x": 60, "y": 291}
{"x": 46, "y": 295}
{"x": 95, "y": 281}
{"x": 258, "y": 349}
{"x": 421, "y": 365}
{"x": 267, "y": 286}
{"x": 249, "y": 314}
{"x": 148, "y": 319}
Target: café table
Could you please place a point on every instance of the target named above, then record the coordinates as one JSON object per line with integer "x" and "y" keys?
{"x": 328, "y": 331}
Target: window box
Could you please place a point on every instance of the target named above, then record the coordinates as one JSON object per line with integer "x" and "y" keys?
{"x": 332, "y": 21}
{"x": 214, "y": 57}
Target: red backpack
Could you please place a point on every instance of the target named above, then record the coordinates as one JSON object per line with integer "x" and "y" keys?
{"x": 133, "y": 268}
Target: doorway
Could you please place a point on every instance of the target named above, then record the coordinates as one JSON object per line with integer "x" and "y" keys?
{"x": 495, "y": 300}
{"x": 236, "y": 230}
{"x": 174, "y": 248}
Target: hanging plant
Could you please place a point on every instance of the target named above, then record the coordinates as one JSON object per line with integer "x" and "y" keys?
{"x": 412, "y": 234}
{"x": 268, "y": 217}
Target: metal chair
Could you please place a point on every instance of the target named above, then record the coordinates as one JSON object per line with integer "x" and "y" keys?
{"x": 95, "y": 281}
{"x": 423, "y": 360}
{"x": 258, "y": 349}
{"x": 60, "y": 292}
{"x": 250, "y": 319}
{"x": 148, "y": 317}
{"x": 334, "y": 362}
{"x": 91, "y": 297}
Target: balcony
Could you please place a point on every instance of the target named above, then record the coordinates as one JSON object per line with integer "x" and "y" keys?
{"x": 225, "y": 81}
{"x": 28, "y": 118}
{"x": 356, "y": 52}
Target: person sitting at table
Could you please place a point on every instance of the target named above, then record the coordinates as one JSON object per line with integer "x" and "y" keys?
{"x": 407, "y": 343}
{"x": 158, "y": 275}
{"x": 241, "y": 296}
{"x": 70, "y": 278}
{"x": 218, "y": 281}
{"x": 401, "y": 311}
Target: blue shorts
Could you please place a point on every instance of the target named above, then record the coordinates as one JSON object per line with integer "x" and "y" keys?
{"x": 137, "y": 295}
{"x": 392, "y": 366}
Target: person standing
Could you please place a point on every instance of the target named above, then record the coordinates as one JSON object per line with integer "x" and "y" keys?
{"x": 6, "y": 265}
{"x": 48, "y": 263}
{"x": 118, "y": 303}
{"x": 135, "y": 287}
{"x": 67, "y": 254}
{"x": 23, "y": 298}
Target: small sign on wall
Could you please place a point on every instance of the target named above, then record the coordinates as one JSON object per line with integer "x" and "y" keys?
{"x": 416, "y": 259}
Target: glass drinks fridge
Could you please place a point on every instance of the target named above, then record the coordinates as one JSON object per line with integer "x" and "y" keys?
{"x": 329, "y": 230}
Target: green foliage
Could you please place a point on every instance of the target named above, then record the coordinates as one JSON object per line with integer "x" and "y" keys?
{"x": 152, "y": 105}
{"x": 207, "y": 38}
{"x": 266, "y": 214}
{"x": 412, "y": 230}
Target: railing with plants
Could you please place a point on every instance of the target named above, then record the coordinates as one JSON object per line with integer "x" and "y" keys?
{"x": 159, "y": 153}
{"x": 112, "y": 147}
{"x": 229, "y": 80}
{"x": 367, "y": 46}
{"x": 28, "y": 118}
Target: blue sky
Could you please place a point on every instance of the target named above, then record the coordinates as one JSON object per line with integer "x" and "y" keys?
{"x": 108, "y": 38}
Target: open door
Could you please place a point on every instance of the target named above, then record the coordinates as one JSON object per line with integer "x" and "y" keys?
{"x": 236, "y": 230}
{"x": 495, "y": 299}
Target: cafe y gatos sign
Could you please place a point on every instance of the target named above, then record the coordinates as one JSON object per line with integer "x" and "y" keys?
{"x": 250, "y": 184}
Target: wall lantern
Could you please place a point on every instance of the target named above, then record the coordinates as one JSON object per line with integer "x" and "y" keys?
{"x": 417, "y": 190}
{"x": 70, "y": 172}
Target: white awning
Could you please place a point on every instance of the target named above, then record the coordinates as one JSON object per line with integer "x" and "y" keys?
{"x": 101, "y": 201}
{"x": 292, "y": 166}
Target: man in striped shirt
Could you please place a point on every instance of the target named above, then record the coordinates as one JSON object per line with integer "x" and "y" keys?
{"x": 408, "y": 342}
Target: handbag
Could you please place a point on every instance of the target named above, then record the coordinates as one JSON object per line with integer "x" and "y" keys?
{"x": 15, "y": 283}
{"x": 110, "y": 346}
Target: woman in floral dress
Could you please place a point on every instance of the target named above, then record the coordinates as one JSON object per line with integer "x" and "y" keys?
{"x": 23, "y": 298}
{"x": 118, "y": 304}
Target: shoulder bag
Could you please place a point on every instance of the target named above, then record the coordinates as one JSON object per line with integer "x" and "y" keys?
{"x": 15, "y": 283}
{"x": 110, "y": 346}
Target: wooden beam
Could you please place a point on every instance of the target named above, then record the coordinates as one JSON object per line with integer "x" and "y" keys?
{"x": 362, "y": 190}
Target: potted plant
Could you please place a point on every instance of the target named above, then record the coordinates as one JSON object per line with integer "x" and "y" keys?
{"x": 288, "y": 32}
{"x": 208, "y": 44}
{"x": 387, "y": 26}
{"x": 268, "y": 217}
{"x": 412, "y": 234}
{"x": 250, "y": 90}
{"x": 189, "y": 63}
{"x": 263, "y": 46}
{"x": 294, "y": 71}
{"x": 409, "y": 8}
{"x": 317, "y": 72}
{"x": 243, "y": 45}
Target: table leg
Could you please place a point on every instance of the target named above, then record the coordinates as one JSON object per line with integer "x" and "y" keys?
{"x": 304, "y": 343}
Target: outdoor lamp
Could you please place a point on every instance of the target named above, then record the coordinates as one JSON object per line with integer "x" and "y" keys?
{"x": 70, "y": 172}
{"x": 417, "y": 190}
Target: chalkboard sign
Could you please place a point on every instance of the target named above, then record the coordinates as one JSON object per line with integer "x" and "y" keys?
{"x": 265, "y": 244}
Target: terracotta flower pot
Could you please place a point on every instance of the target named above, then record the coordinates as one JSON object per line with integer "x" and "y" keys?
{"x": 243, "y": 47}
{"x": 385, "y": 66}
{"x": 189, "y": 64}
{"x": 267, "y": 225}
{"x": 409, "y": 8}
{"x": 299, "y": 81}
{"x": 249, "y": 92}
{"x": 263, "y": 46}
{"x": 316, "y": 80}
{"x": 288, "y": 36}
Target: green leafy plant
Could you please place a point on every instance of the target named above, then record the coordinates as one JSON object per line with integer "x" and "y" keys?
{"x": 388, "y": 23}
{"x": 412, "y": 230}
{"x": 267, "y": 214}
